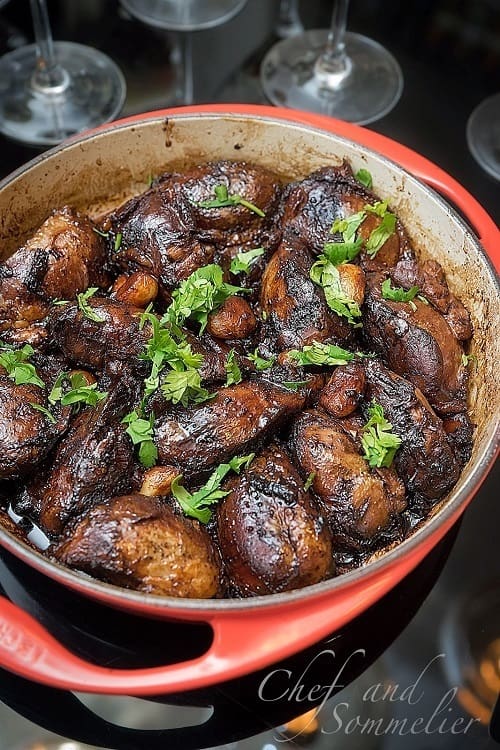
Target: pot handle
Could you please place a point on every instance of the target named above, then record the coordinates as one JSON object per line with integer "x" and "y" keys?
{"x": 443, "y": 183}
{"x": 243, "y": 642}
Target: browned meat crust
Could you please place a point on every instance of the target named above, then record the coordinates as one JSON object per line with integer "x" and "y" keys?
{"x": 271, "y": 534}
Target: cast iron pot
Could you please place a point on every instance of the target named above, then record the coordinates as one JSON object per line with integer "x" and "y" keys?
{"x": 101, "y": 169}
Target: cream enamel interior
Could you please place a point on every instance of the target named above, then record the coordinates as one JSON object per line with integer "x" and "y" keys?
{"x": 102, "y": 170}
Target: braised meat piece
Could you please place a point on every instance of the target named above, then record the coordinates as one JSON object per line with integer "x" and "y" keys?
{"x": 92, "y": 463}
{"x": 294, "y": 307}
{"x": 312, "y": 205}
{"x": 26, "y": 434}
{"x": 254, "y": 184}
{"x": 416, "y": 341}
{"x": 141, "y": 543}
{"x": 271, "y": 534}
{"x": 65, "y": 256}
{"x": 360, "y": 504}
{"x": 198, "y": 438}
{"x": 425, "y": 461}
{"x": 344, "y": 391}
{"x": 112, "y": 332}
{"x": 429, "y": 276}
{"x": 158, "y": 236}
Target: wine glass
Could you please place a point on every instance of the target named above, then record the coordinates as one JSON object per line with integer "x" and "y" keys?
{"x": 333, "y": 72}
{"x": 51, "y": 90}
{"x": 184, "y": 17}
{"x": 289, "y": 23}
{"x": 483, "y": 135}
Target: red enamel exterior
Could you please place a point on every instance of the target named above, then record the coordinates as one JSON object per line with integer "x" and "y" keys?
{"x": 251, "y": 637}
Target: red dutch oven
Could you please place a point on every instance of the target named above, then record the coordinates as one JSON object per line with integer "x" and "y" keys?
{"x": 100, "y": 169}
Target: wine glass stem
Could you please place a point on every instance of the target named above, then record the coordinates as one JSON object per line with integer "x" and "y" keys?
{"x": 289, "y": 22}
{"x": 333, "y": 66}
{"x": 186, "y": 43}
{"x": 48, "y": 76}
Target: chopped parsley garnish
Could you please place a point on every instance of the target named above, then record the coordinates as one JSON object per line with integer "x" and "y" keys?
{"x": 118, "y": 241}
{"x": 166, "y": 346}
{"x": 233, "y": 372}
{"x": 83, "y": 303}
{"x": 184, "y": 387}
{"x": 341, "y": 252}
{"x": 320, "y": 354}
{"x": 364, "y": 177}
{"x": 259, "y": 362}
{"x": 242, "y": 261}
{"x": 380, "y": 234}
{"x": 379, "y": 443}
{"x": 15, "y": 362}
{"x": 295, "y": 385}
{"x": 44, "y": 411}
{"x": 200, "y": 294}
{"x": 398, "y": 294}
{"x": 348, "y": 226}
{"x": 140, "y": 431}
{"x": 309, "y": 481}
{"x": 79, "y": 391}
{"x": 326, "y": 275}
{"x": 195, "y": 505}
{"x": 223, "y": 198}
{"x": 379, "y": 208}
{"x": 468, "y": 358}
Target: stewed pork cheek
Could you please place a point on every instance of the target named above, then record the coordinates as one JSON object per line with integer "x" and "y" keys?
{"x": 230, "y": 386}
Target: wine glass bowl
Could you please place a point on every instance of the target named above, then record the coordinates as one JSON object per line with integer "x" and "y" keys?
{"x": 333, "y": 72}
{"x": 183, "y": 15}
{"x": 483, "y": 135}
{"x": 86, "y": 90}
{"x": 51, "y": 90}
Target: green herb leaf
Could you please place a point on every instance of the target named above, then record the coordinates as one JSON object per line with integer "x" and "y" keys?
{"x": 45, "y": 411}
{"x": 295, "y": 385}
{"x": 83, "y": 303}
{"x": 309, "y": 481}
{"x": 381, "y": 234}
{"x": 259, "y": 362}
{"x": 140, "y": 431}
{"x": 232, "y": 369}
{"x": 60, "y": 302}
{"x": 326, "y": 275}
{"x": 468, "y": 358}
{"x": 79, "y": 392}
{"x": 223, "y": 198}
{"x": 379, "y": 208}
{"x": 321, "y": 354}
{"x": 348, "y": 226}
{"x": 118, "y": 241}
{"x": 398, "y": 294}
{"x": 15, "y": 362}
{"x": 379, "y": 443}
{"x": 242, "y": 261}
{"x": 364, "y": 177}
{"x": 184, "y": 387}
{"x": 342, "y": 252}
{"x": 196, "y": 505}
{"x": 200, "y": 294}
